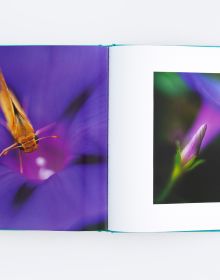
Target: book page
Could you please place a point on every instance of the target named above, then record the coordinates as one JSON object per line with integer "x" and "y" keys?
{"x": 53, "y": 137}
{"x": 164, "y": 144}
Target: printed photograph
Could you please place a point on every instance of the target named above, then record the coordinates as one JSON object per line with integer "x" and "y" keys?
{"x": 186, "y": 137}
{"x": 53, "y": 137}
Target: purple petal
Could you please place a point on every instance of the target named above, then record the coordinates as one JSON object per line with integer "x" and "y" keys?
{"x": 47, "y": 78}
{"x": 208, "y": 87}
{"x": 67, "y": 200}
{"x": 11, "y": 183}
{"x": 90, "y": 125}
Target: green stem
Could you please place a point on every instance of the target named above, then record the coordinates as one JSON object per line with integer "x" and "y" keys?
{"x": 177, "y": 172}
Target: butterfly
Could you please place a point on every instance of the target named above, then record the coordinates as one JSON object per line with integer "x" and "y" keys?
{"x": 18, "y": 124}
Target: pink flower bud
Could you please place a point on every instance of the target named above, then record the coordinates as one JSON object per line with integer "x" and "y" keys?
{"x": 191, "y": 150}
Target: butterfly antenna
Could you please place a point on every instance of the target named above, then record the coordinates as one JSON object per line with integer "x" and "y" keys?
{"x": 46, "y": 137}
{"x": 45, "y": 128}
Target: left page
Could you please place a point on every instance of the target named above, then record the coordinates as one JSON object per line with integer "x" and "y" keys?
{"x": 53, "y": 137}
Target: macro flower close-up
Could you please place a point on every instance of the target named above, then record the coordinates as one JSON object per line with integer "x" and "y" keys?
{"x": 187, "y": 112}
{"x": 64, "y": 92}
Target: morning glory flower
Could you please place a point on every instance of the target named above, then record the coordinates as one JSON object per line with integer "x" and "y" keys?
{"x": 185, "y": 160}
{"x": 63, "y": 89}
{"x": 208, "y": 87}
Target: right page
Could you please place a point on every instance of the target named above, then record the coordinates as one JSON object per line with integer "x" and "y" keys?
{"x": 164, "y": 138}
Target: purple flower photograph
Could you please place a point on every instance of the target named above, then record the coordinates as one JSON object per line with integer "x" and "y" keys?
{"x": 53, "y": 137}
{"x": 186, "y": 137}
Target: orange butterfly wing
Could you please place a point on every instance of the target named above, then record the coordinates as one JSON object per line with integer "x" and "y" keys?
{"x": 17, "y": 121}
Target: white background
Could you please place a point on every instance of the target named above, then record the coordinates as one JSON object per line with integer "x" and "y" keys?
{"x": 44, "y": 255}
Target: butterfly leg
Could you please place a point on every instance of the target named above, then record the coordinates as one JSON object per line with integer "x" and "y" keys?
{"x": 6, "y": 150}
{"x": 45, "y": 128}
{"x": 20, "y": 161}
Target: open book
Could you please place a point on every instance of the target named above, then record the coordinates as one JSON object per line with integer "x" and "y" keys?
{"x": 119, "y": 138}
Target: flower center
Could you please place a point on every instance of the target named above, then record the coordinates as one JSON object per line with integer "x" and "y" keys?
{"x": 51, "y": 156}
{"x": 44, "y": 172}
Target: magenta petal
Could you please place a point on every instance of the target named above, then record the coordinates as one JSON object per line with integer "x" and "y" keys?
{"x": 210, "y": 115}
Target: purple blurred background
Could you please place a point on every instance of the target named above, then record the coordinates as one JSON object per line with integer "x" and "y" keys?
{"x": 64, "y": 185}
